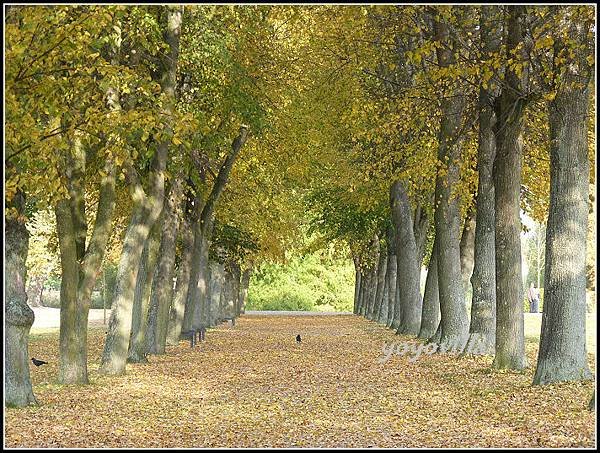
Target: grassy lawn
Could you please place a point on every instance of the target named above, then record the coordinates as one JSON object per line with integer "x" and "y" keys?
{"x": 253, "y": 386}
{"x": 533, "y": 327}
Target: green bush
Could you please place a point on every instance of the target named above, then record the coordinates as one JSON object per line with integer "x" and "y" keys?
{"x": 306, "y": 283}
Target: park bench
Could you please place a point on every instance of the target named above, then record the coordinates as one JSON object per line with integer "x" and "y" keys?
{"x": 191, "y": 334}
{"x": 230, "y": 321}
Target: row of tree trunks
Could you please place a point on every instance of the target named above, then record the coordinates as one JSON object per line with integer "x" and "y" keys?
{"x": 195, "y": 315}
{"x": 380, "y": 283}
{"x": 487, "y": 256}
{"x": 146, "y": 210}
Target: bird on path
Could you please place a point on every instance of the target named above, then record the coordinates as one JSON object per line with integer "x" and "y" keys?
{"x": 37, "y": 362}
{"x": 298, "y": 339}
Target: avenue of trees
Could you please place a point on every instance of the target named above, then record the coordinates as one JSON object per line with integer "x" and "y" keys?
{"x": 189, "y": 144}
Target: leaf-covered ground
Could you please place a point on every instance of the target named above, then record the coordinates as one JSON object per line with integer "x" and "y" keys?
{"x": 253, "y": 386}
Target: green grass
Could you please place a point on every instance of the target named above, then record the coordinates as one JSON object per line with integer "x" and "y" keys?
{"x": 533, "y": 327}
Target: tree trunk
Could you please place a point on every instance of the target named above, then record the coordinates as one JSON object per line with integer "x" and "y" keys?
{"x": 562, "y": 354}
{"x": 381, "y": 271}
{"x": 229, "y": 293}
{"x": 215, "y": 290}
{"x": 373, "y": 280}
{"x": 454, "y": 317}
{"x": 244, "y": 285}
{"x": 361, "y": 292}
{"x": 482, "y": 331}
{"x": 357, "y": 282}
{"x": 73, "y": 315}
{"x": 237, "y": 276}
{"x": 138, "y": 345}
{"x": 146, "y": 211}
{"x": 420, "y": 228}
{"x": 18, "y": 315}
{"x": 369, "y": 276}
{"x": 392, "y": 266}
{"x": 176, "y": 315}
{"x": 162, "y": 285}
{"x": 80, "y": 268}
{"x": 408, "y": 272}
{"x": 397, "y": 302}
{"x": 199, "y": 291}
{"x": 364, "y": 286}
{"x": 510, "y": 339}
{"x": 430, "y": 318}
{"x": 467, "y": 251}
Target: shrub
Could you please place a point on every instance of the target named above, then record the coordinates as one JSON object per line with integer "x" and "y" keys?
{"x": 310, "y": 282}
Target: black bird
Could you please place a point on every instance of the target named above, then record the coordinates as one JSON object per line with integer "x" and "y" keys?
{"x": 298, "y": 339}
{"x": 37, "y": 362}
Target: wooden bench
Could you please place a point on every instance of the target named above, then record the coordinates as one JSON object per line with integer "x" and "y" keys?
{"x": 230, "y": 321}
{"x": 191, "y": 334}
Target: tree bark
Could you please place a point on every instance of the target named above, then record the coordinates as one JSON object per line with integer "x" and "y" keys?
{"x": 467, "y": 250}
{"x": 230, "y": 292}
{"x": 19, "y": 317}
{"x": 482, "y": 331}
{"x": 176, "y": 314}
{"x": 454, "y": 317}
{"x": 420, "y": 228}
{"x": 381, "y": 271}
{"x": 562, "y": 355}
{"x": 392, "y": 266}
{"x": 371, "y": 281}
{"x": 138, "y": 345}
{"x": 430, "y": 318}
{"x": 510, "y": 339}
{"x": 215, "y": 291}
{"x": 162, "y": 284}
{"x": 357, "y": 283}
{"x": 408, "y": 272}
{"x": 244, "y": 285}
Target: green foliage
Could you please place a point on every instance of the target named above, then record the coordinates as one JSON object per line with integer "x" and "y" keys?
{"x": 231, "y": 243}
{"x": 306, "y": 283}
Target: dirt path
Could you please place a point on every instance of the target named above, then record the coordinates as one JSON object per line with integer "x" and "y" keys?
{"x": 253, "y": 386}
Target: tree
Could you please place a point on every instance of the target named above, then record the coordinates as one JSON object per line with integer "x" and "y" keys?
{"x": 562, "y": 355}
{"x": 482, "y": 333}
{"x": 510, "y": 340}
{"x": 18, "y": 316}
{"x": 408, "y": 270}
{"x": 454, "y": 318}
